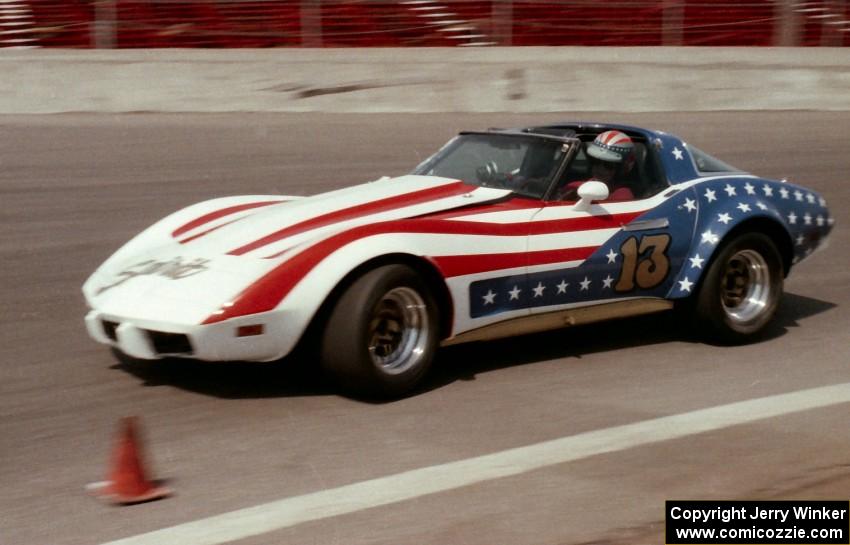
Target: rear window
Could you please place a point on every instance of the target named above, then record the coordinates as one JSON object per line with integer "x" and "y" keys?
{"x": 707, "y": 164}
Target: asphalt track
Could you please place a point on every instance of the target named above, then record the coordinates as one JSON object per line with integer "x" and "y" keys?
{"x": 233, "y": 436}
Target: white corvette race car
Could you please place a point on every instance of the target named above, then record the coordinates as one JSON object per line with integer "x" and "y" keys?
{"x": 499, "y": 233}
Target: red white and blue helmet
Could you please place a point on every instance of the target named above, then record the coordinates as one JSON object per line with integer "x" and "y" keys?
{"x": 613, "y": 147}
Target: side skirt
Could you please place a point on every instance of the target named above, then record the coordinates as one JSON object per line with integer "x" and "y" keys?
{"x": 561, "y": 318}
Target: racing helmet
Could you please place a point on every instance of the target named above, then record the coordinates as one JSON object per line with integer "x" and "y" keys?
{"x": 613, "y": 147}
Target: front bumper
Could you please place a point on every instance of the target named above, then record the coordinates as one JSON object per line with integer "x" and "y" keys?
{"x": 148, "y": 339}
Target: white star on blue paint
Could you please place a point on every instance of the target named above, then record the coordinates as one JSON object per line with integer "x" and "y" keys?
{"x": 729, "y": 190}
{"x": 562, "y": 287}
{"x": 685, "y": 285}
{"x": 710, "y": 195}
{"x": 743, "y": 207}
{"x": 696, "y": 262}
{"x": 585, "y": 284}
{"x": 538, "y": 290}
{"x": 489, "y": 297}
{"x": 515, "y": 293}
{"x": 677, "y": 153}
{"x": 607, "y": 281}
{"x": 690, "y": 204}
{"x": 611, "y": 255}
{"x": 750, "y": 189}
{"x": 724, "y": 218}
{"x": 768, "y": 191}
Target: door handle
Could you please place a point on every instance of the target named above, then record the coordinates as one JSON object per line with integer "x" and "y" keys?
{"x": 644, "y": 225}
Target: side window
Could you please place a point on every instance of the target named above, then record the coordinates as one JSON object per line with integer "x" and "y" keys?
{"x": 707, "y": 164}
{"x": 579, "y": 167}
{"x": 644, "y": 179}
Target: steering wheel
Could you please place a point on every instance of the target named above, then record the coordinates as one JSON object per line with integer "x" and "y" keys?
{"x": 532, "y": 185}
{"x": 487, "y": 173}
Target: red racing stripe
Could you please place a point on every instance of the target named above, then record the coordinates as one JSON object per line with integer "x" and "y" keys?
{"x": 373, "y": 207}
{"x": 208, "y": 231}
{"x": 439, "y": 227}
{"x": 265, "y": 294}
{"x": 511, "y": 204}
{"x": 588, "y": 223}
{"x": 459, "y": 265}
{"x": 212, "y": 216}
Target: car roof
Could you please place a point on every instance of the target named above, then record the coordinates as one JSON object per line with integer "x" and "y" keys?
{"x": 578, "y": 127}
{"x": 665, "y": 145}
{"x": 573, "y": 129}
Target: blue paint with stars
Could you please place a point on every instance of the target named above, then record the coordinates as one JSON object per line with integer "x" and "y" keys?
{"x": 595, "y": 279}
{"x": 726, "y": 204}
{"x": 698, "y": 219}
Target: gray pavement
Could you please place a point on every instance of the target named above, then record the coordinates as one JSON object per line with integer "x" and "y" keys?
{"x": 74, "y": 187}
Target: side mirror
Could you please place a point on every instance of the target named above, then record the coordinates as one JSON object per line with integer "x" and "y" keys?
{"x": 589, "y": 192}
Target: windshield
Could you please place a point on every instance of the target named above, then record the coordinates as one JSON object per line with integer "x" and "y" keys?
{"x": 524, "y": 164}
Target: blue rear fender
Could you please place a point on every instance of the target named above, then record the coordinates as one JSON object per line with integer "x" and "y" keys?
{"x": 795, "y": 218}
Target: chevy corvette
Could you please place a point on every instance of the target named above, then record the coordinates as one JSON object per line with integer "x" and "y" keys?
{"x": 501, "y": 232}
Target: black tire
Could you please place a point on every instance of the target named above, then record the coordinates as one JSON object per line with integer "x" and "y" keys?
{"x": 382, "y": 333}
{"x": 741, "y": 289}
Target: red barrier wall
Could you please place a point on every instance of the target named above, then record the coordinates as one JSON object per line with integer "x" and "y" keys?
{"x": 381, "y": 23}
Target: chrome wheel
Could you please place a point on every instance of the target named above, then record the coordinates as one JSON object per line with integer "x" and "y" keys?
{"x": 746, "y": 289}
{"x": 740, "y": 291}
{"x": 398, "y": 331}
{"x": 383, "y": 332}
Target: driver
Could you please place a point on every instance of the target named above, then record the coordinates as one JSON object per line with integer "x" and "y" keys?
{"x": 612, "y": 157}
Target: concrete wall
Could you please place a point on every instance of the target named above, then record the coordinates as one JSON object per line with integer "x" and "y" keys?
{"x": 534, "y": 79}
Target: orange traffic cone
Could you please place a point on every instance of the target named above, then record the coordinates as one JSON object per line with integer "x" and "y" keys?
{"x": 127, "y": 482}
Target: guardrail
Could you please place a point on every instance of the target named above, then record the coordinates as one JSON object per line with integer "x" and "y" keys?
{"x": 486, "y": 79}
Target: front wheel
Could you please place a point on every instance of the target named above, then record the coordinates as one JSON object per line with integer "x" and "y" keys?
{"x": 381, "y": 335}
{"x": 741, "y": 289}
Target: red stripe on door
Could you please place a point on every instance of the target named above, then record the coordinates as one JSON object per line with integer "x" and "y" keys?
{"x": 460, "y": 265}
{"x": 265, "y": 294}
{"x": 439, "y": 227}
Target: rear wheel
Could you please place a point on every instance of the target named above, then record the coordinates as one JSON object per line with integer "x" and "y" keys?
{"x": 382, "y": 333}
{"x": 741, "y": 289}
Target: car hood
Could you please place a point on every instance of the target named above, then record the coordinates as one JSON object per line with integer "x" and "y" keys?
{"x": 268, "y": 231}
{"x": 208, "y": 259}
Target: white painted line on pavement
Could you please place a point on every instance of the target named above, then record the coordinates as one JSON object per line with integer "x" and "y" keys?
{"x": 346, "y": 499}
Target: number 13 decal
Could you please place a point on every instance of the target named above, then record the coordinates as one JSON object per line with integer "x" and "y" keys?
{"x": 645, "y": 264}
